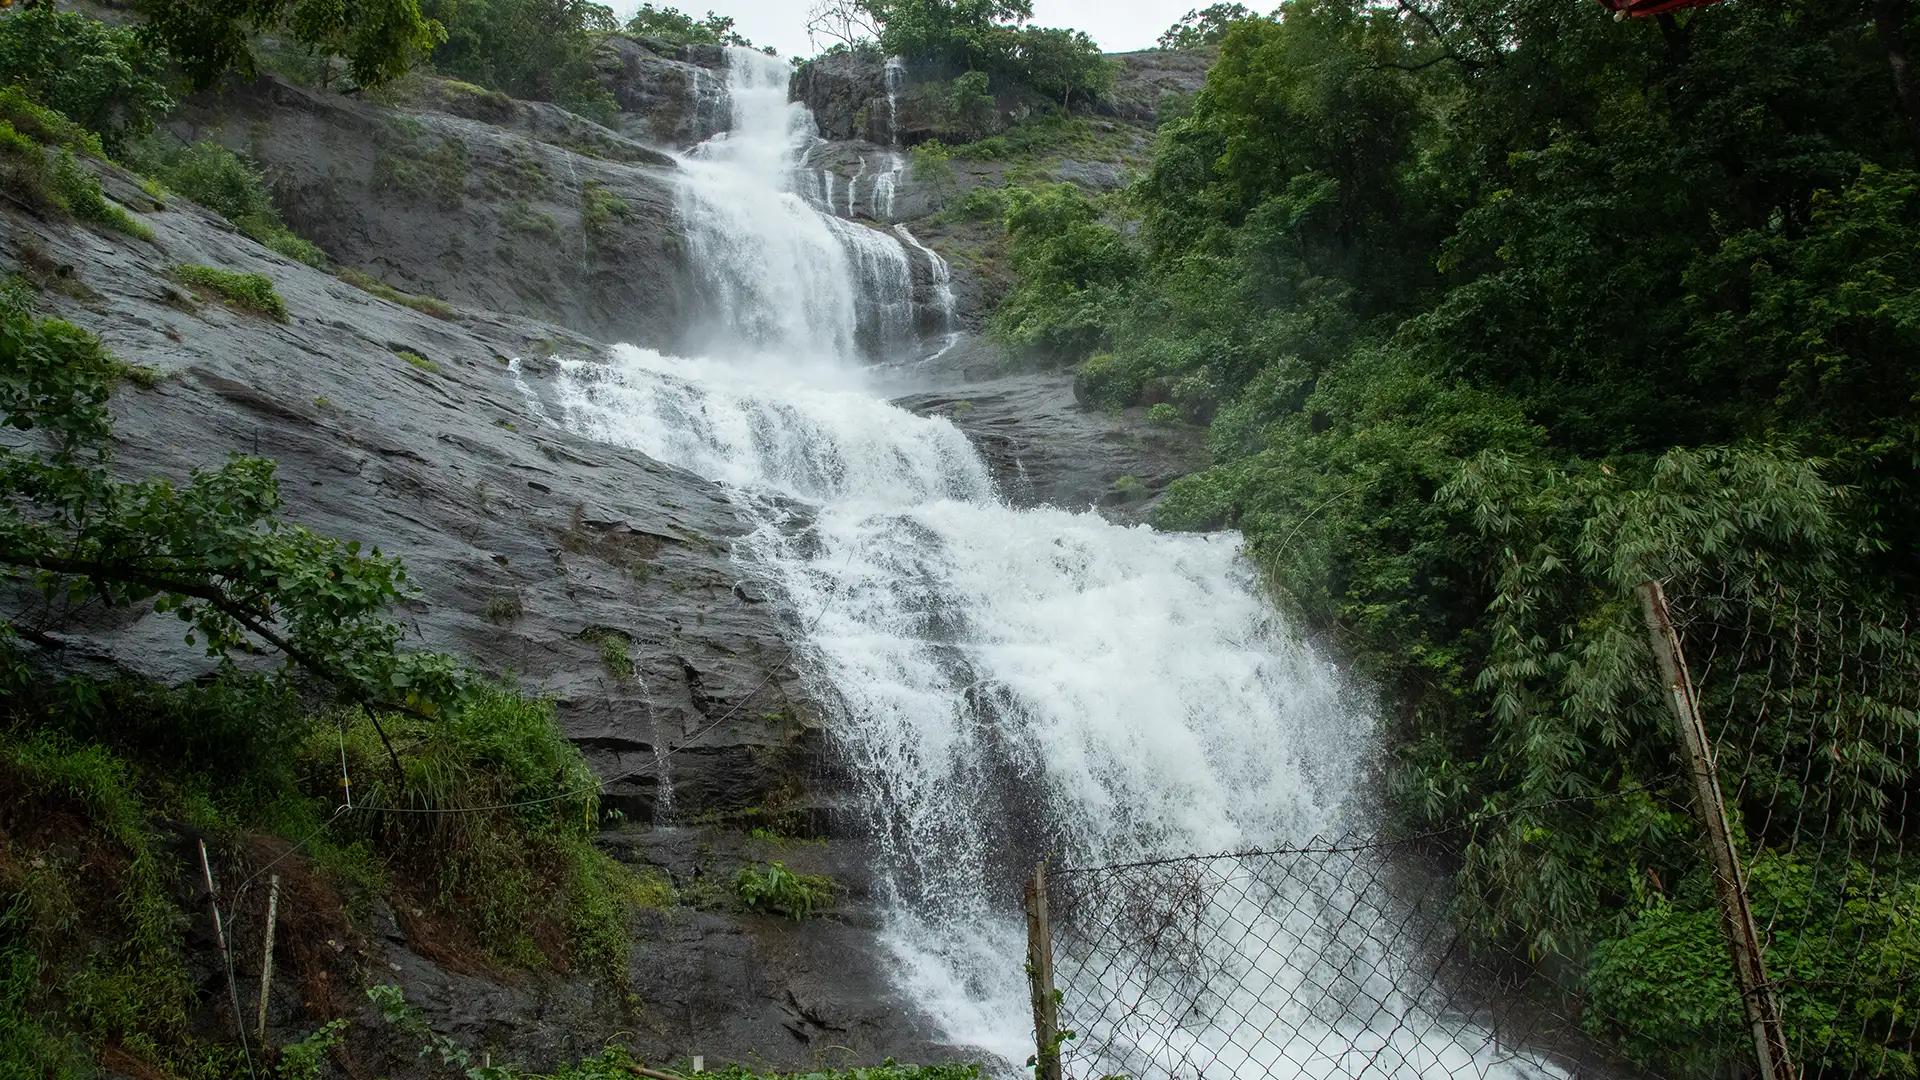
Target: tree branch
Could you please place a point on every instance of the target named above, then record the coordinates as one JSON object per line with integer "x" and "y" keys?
{"x": 221, "y": 601}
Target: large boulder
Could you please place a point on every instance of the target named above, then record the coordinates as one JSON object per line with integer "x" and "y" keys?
{"x": 842, "y": 89}
{"x": 668, "y": 95}
{"x": 474, "y": 198}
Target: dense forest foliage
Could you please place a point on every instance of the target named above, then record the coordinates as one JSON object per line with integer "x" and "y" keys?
{"x": 1493, "y": 309}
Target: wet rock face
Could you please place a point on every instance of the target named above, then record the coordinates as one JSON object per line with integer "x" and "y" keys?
{"x": 668, "y": 95}
{"x": 474, "y": 198}
{"x": 1044, "y": 448}
{"x": 842, "y": 90}
{"x": 528, "y": 546}
{"x": 1145, "y": 82}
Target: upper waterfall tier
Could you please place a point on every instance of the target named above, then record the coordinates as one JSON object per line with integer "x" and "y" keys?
{"x": 777, "y": 274}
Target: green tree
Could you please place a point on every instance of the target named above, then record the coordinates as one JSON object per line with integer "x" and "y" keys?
{"x": 671, "y": 24}
{"x": 957, "y": 34}
{"x": 213, "y": 551}
{"x": 1062, "y": 64}
{"x": 540, "y": 50}
{"x": 103, "y": 77}
{"x": 1204, "y": 26}
{"x": 379, "y": 39}
{"x": 1072, "y": 268}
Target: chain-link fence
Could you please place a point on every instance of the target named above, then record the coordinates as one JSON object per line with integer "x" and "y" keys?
{"x": 1770, "y": 926}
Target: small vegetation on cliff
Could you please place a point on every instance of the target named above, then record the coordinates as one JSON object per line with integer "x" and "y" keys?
{"x": 38, "y": 162}
{"x": 418, "y": 165}
{"x": 367, "y": 283}
{"x": 600, "y": 209}
{"x": 414, "y": 359}
{"x": 222, "y": 181}
{"x": 248, "y": 292}
{"x": 773, "y": 888}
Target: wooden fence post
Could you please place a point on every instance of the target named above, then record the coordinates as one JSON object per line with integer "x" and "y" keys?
{"x": 1046, "y": 1018}
{"x": 1729, "y": 877}
{"x": 266, "y": 954}
{"x": 226, "y": 954}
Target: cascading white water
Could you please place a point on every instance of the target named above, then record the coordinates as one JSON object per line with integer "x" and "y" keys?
{"x": 1004, "y": 682}
{"x": 887, "y": 182}
{"x": 942, "y": 277}
{"x": 777, "y": 275}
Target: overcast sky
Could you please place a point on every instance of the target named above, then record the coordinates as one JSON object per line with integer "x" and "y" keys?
{"x": 1118, "y": 25}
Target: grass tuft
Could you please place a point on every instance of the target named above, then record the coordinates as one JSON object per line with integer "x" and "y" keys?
{"x": 367, "y": 283}
{"x": 418, "y": 361}
{"x": 247, "y": 292}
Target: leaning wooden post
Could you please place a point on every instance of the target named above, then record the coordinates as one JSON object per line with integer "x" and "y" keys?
{"x": 1046, "y": 1018}
{"x": 1729, "y": 877}
{"x": 266, "y": 954}
{"x": 226, "y": 954}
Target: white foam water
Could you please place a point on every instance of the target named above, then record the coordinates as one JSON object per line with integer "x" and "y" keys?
{"x": 1006, "y": 683}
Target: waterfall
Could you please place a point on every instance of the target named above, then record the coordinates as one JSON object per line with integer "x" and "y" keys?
{"x": 776, "y": 274}
{"x": 1002, "y": 683}
{"x": 883, "y": 187}
{"x": 940, "y": 272}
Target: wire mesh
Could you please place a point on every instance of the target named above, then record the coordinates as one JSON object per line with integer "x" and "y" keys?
{"x": 1813, "y": 705}
{"x": 1358, "y": 955}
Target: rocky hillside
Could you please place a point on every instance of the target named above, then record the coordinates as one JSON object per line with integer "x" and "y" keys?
{"x": 475, "y": 239}
{"x": 530, "y": 548}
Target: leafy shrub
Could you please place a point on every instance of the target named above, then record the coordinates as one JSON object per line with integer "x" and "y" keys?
{"x": 222, "y": 181}
{"x": 1163, "y": 414}
{"x": 1107, "y": 380}
{"x": 24, "y": 168}
{"x": 45, "y": 126}
{"x": 249, "y": 292}
{"x": 379, "y": 39}
{"x": 104, "y": 78}
{"x": 436, "y": 174}
{"x": 1662, "y": 990}
{"x": 16, "y": 296}
{"x": 969, "y": 104}
{"x": 303, "y": 1058}
{"x": 1072, "y": 271}
{"x": 506, "y": 870}
{"x": 37, "y": 162}
{"x": 773, "y": 888}
{"x": 933, "y": 166}
{"x": 79, "y": 189}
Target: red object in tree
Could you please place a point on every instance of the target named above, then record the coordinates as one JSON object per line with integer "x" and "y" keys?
{"x": 1640, "y": 9}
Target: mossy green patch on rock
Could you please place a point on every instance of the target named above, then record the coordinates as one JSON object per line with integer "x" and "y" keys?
{"x": 367, "y": 283}
{"x": 248, "y": 292}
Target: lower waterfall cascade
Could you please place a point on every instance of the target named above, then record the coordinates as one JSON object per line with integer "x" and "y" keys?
{"x": 1003, "y": 683}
